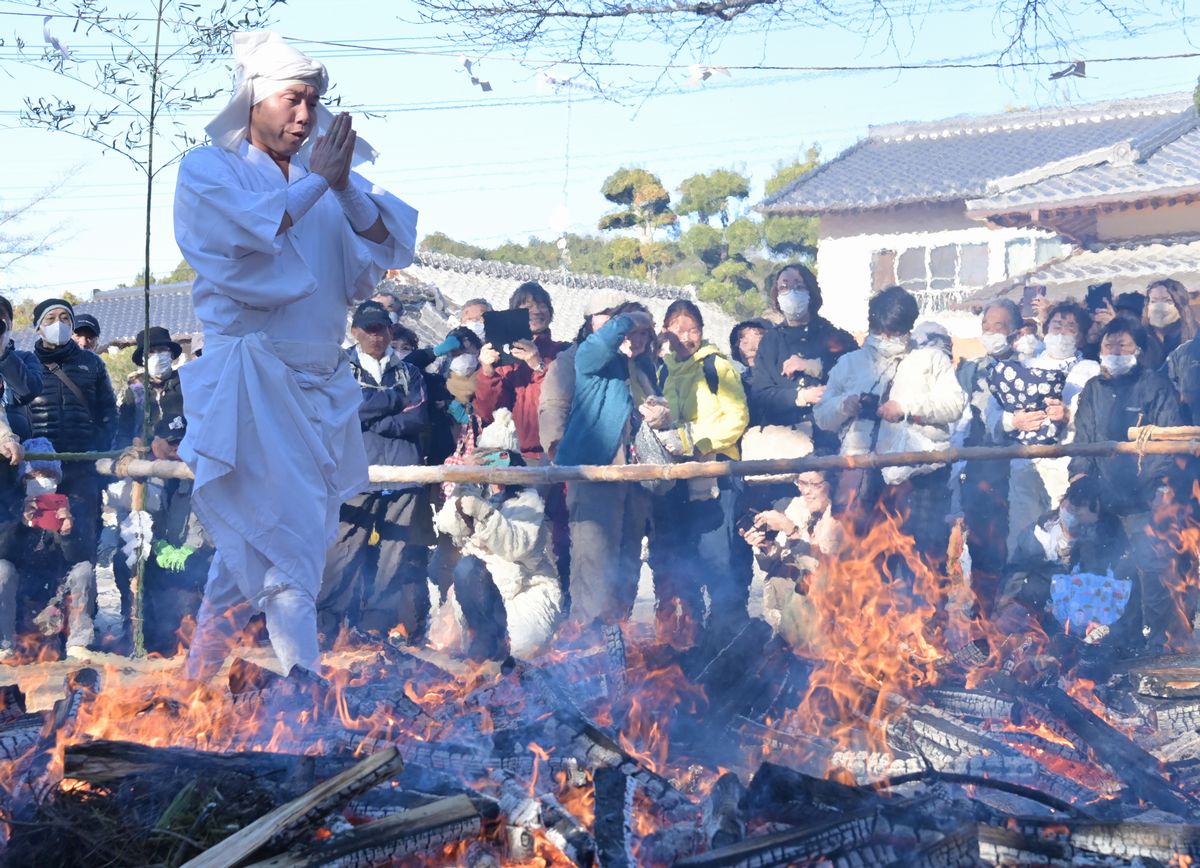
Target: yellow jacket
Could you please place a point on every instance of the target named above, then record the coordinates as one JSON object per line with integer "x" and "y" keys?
{"x": 709, "y": 423}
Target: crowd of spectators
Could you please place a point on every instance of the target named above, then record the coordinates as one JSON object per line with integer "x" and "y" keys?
{"x": 1074, "y": 544}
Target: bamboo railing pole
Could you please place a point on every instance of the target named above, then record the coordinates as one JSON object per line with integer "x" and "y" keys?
{"x": 548, "y": 475}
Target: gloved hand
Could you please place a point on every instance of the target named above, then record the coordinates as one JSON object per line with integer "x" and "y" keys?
{"x": 476, "y": 507}
{"x": 449, "y": 345}
{"x": 173, "y": 558}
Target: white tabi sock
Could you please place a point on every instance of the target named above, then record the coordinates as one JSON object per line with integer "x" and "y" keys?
{"x": 292, "y": 622}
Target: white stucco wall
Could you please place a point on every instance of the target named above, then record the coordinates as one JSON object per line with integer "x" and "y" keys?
{"x": 848, "y": 241}
{"x": 1149, "y": 222}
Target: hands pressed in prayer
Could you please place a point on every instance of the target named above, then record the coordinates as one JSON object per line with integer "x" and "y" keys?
{"x": 333, "y": 153}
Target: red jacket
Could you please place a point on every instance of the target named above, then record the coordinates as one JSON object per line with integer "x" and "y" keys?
{"x": 519, "y": 388}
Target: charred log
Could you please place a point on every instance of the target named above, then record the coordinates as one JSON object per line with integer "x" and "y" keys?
{"x": 613, "y": 828}
{"x": 289, "y": 821}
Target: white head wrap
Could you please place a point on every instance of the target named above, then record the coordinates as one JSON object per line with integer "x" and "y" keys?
{"x": 266, "y": 65}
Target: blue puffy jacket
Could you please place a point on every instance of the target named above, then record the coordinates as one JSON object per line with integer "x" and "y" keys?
{"x": 602, "y": 404}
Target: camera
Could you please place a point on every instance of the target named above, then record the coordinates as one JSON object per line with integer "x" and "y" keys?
{"x": 868, "y": 406}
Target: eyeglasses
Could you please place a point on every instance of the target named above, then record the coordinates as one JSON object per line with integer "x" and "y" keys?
{"x": 809, "y": 487}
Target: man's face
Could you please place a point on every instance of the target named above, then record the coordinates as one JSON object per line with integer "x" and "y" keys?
{"x": 472, "y": 313}
{"x": 86, "y": 340}
{"x": 539, "y": 315}
{"x": 748, "y": 342}
{"x": 997, "y": 321}
{"x": 373, "y": 340}
{"x": 54, "y": 315}
{"x": 281, "y": 122}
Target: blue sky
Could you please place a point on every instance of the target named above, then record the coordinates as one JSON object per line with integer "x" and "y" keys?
{"x": 486, "y": 167}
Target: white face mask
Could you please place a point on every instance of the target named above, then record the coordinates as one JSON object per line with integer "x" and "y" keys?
{"x": 464, "y": 365}
{"x": 57, "y": 333}
{"x": 889, "y": 347}
{"x": 477, "y": 327}
{"x": 994, "y": 344}
{"x": 1027, "y": 346}
{"x": 1060, "y": 346}
{"x": 794, "y": 303}
{"x": 36, "y": 486}
{"x": 159, "y": 365}
{"x": 1161, "y": 314}
{"x": 1118, "y": 365}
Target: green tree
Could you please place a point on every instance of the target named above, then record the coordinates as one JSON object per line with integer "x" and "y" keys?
{"x": 713, "y": 194}
{"x": 791, "y": 236}
{"x": 440, "y": 242}
{"x": 643, "y": 203}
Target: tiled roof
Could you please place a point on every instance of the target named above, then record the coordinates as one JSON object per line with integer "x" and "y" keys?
{"x": 1130, "y": 266}
{"x": 459, "y": 280}
{"x": 122, "y": 314}
{"x": 959, "y": 158}
{"x": 1173, "y": 168}
{"x": 431, "y": 290}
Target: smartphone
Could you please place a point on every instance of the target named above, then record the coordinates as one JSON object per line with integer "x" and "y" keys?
{"x": 1099, "y": 296}
{"x": 1031, "y": 292}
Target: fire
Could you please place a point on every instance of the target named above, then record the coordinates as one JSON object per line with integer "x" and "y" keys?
{"x": 881, "y": 631}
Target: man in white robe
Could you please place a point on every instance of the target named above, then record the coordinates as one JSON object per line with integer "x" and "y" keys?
{"x": 284, "y": 237}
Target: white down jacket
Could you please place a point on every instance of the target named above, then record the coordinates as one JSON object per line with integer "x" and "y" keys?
{"x": 512, "y": 541}
{"x": 923, "y": 383}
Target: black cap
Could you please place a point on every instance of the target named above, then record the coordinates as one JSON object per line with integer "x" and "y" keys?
{"x": 152, "y": 337}
{"x": 87, "y": 322}
{"x": 171, "y": 428}
{"x": 45, "y": 305}
{"x": 370, "y": 313}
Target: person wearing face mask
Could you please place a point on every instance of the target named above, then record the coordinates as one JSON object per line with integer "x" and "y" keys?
{"x": 696, "y": 544}
{"x": 77, "y": 412}
{"x": 1063, "y": 563}
{"x": 1147, "y": 492}
{"x": 20, "y": 376}
{"x": 163, "y": 393}
{"x": 888, "y": 397}
{"x": 1038, "y": 485}
{"x": 614, "y": 376}
{"x": 1168, "y": 318}
{"x": 795, "y": 357}
{"x": 982, "y": 486}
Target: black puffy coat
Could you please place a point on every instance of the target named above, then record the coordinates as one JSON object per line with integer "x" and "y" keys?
{"x": 1108, "y": 408}
{"x": 166, "y": 402}
{"x": 21, "y": 373}
{"x": 773, "y": 396}
{"x": 59, "y": 416}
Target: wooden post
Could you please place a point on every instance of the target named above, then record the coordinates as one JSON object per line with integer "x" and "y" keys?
{"x": 137, "y": 574}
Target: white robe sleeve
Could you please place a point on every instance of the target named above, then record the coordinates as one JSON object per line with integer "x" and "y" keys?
{"x": 228, "y": 233}
{"x": 366, "y": 260}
